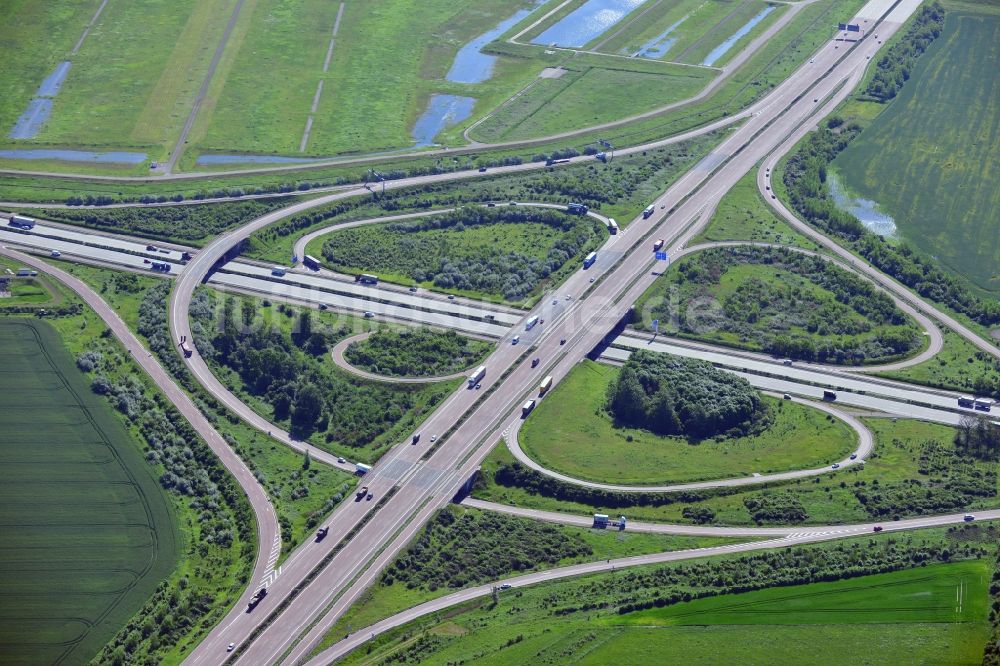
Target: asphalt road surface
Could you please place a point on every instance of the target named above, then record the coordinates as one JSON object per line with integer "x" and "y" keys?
{"x": 358, "y": 562}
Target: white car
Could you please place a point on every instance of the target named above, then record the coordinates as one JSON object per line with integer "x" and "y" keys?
{"x": 515, "y": 339}
{"x": 55, "y": 253}
{"x": 231, "y": 647}
{"x": 434, "y": 438}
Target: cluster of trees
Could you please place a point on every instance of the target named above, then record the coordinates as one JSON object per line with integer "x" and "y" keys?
{"x": 893, "y": 69}
{"x": 779, "y": 507}
{"x": 177, "y": 223}
{"x": 460, "y": 548}
{"x": 449, "y": 262}
{"x": 416, "y": 352}
{"x": 948, "y": 482}
{"x": 290, "y": 372}
{"x": 979, "y": 438}
{"x": 670, "y": 395}
{"x": 766, "y": 314}
{"x": 805, "y": 178}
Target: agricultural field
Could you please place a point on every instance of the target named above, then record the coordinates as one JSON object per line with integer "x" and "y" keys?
{"x": 930, "y": 159}
{"x": 798, "y": 599}
{"x": 571, "y": 433}
{"x": 781, "y": 302}
{"x": 88, "y": 533}
{"x": 913, "y": 471}
{"x": 504, "y": 253}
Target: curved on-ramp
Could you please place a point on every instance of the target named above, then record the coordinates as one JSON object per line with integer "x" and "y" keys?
{"x": 866, "y": 442}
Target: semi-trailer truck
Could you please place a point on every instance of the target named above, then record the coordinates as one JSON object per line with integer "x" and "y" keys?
{"x": 983, "y": 404}
{"x": 361, "y": 469}
{"x": 477, "y": 376}
{"x": 577, "y": 209}
{"x": 829, "y": 396}
{"x": 966, "y": 401}
{"x": 649, "y": 211}
{"x": 530, "y": 324}
{"x": 658, "y": 244}
{"x": 589, "y": 261}
{"x": 365, "y": 278}
{"x": 22, "y": 222}
{"x": 612, "y": 226}
{"x": 544, "y": 387}
{"x": 311, "y": 262}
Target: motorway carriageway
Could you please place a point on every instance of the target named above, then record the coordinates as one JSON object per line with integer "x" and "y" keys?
{"x": 419, "y": 487}
{"x": 466, "y": 316}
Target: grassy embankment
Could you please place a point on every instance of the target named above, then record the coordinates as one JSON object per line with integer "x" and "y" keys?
{"x": 570, "y": 432}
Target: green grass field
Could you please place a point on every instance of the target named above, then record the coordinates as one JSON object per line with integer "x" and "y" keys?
{"x": 925, "y": 615}
{"x": 959, "y": 366}
{"x": 590, "y": 95}
{"x": 931, "y": 158}
{"x": 743, "y": 215}
{"x": 570, "y": 433}
{"x": 827, "y": 499}
{"x": 88, "y": 533}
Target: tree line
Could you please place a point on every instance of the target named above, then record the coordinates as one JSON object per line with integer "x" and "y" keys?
{"x": 893, "y": 69}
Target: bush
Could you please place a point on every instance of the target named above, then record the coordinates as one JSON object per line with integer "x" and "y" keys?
{"x": 780, "y": 507}
{"x": 677, "y": 396}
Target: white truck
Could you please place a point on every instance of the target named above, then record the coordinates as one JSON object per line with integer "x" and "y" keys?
{"x": 530, "y": 324}
{"x": 612, "y": 226}
{"x": 526, "y": 408}
{"x": 361, "y": 469}
{"x": 477, "y": 376}
{"x": 650, "y": 209}
{"x": 22, "y": 222}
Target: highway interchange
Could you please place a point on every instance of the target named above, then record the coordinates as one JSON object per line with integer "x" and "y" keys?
{"x": 318, "y": 582}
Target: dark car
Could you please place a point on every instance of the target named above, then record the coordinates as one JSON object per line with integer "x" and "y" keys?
{"x": 877, "y": 528}
{"x": 535, "y": 362}
{"x": 482, "y": 169}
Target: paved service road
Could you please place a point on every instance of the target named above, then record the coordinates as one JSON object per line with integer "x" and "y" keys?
{"x": 268, "y": 532}
{"x": 804, "y": 536}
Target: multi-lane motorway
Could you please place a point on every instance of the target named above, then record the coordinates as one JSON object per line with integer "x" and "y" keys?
{"x": 413, "y": 481}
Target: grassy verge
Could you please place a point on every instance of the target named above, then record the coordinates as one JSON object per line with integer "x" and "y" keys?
{"x": 420, "y": 352}
{"x": 959, "y": 366}
{"x": 570, "y": 432}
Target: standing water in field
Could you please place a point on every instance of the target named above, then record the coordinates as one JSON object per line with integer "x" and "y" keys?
{"x": 442, "y": 111}
{"x": 472, "y": 65}
{"x": 73, "y": 156}
{"x": 724, "y": 47}
{"x": 589, "y": 21}
{"x": 865, "y": 210}
{"x": 29, "y": 124}
{"x": 658, "y": 46}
